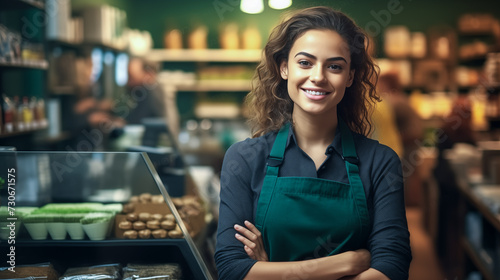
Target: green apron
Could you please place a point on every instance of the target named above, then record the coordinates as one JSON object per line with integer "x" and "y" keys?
{"x": 304, "y": 218}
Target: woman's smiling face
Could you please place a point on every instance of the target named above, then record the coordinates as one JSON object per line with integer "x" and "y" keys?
{"x": 317, "y": 72}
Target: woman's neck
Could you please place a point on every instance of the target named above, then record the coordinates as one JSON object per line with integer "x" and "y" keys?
{"x": 312, "y": 131}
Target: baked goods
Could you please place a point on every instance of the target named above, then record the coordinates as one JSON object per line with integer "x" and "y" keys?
{"x": 150, "y": 212}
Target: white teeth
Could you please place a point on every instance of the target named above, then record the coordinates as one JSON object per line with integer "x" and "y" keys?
{"x": 312, "y": 92}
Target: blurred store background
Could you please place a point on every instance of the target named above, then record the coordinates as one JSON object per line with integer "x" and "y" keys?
{"x": 169, "y": 77}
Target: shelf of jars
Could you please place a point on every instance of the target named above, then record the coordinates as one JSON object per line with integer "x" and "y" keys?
{"x": 217, "y": 85}
{"x": 33, "y": 64}
{"x": 205, "y": 55}
{"x": 40, "y": 127}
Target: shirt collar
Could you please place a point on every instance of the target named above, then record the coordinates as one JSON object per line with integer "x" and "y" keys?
{"x": 336, "y": 144}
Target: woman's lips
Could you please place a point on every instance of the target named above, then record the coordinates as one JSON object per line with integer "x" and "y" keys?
{"x": 315, "y": 94}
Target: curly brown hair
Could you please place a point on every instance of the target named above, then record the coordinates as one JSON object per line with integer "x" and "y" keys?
{"x": 269, "y": 104}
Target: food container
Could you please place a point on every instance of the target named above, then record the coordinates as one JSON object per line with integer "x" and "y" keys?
{"x": 57, "y": 230}
{"x": 96, "y": 225}
{"x": 37, "y": 231}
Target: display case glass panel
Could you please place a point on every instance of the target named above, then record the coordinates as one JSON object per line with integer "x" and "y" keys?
{"x": 121, "y": 189}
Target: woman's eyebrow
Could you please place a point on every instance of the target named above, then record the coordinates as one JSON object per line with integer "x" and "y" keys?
{"x": 314, "y": 57}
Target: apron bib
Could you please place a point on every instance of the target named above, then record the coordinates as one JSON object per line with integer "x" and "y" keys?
{"x": 303, "y": 218}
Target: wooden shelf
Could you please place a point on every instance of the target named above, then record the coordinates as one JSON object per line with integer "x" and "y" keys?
{"x": 84, "y": 45}
{"x": 493, "y": 219}
{"x": 474, "y": 255}
{"x": 62, "y": 90}
{"x": 101, "y": 45}
{"x": 19, "y": 133}
{"x": 62, "y": 43}
{"x": 218, "y": 85}
{"x": 39, "y": 64}
{"x": 208, "y": 55}
{"x": 65, "y": 135}
{"x": 22, "y": 4}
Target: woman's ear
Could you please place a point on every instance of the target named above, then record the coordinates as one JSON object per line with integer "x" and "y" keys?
{"x": 351, "y": 78}
{"x": 284, "y": 70}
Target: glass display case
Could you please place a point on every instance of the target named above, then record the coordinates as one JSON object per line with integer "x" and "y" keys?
{"x": 120, "y": 190}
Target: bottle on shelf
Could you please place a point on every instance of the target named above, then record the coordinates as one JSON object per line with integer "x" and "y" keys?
{"x": 35, "y": 121}
{"x": 27, "y": 114}
{"x": 40, "y": 108}
{"x": 173, "y": 39}
{"x": 9, "y": 115}
{"x": 492, "y": 110}
{"x": 21, "y": 126}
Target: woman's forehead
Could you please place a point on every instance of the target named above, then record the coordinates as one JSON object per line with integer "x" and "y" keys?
{"x": 321, "y": 40}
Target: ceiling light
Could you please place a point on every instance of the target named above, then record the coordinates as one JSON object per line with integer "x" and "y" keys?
{"x": 280, "y": 4}
{"x": 252, "y": 6}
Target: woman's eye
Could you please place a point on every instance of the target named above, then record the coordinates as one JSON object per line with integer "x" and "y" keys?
{"x": 304, "y": 63}
{"x": 335, "y": 67}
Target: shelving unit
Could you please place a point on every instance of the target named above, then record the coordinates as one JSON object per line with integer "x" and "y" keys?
{"x": 199, "y": 59}
{"x": 42, "y": 64}
{"x": 218, "y": 85}
{"x": 476, "y": 259}
{"x": 15, "y": 70}
{"x": 484, "y": 258}
{"x": 22, "y": 132}
{"x": 492, "y": 219}
{"x": 208, "y": 55}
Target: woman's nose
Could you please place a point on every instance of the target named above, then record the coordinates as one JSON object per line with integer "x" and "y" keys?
{"x": 317, "y": 75}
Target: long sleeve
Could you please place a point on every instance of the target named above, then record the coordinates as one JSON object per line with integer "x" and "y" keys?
{"x": 389, "y": 241}
{"x": 236, "y": 206}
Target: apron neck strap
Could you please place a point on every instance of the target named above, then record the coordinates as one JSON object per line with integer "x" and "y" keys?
{"x": 278, "y": 151}
{"x": 348, "y": 149}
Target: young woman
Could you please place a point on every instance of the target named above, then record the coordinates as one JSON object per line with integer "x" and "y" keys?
{"x": 309, "y": 196}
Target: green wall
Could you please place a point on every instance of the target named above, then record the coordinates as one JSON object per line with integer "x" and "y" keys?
{"x": 157, "y": 16}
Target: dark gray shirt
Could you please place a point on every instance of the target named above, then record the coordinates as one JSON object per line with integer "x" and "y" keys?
{"x": 242, "y": 176}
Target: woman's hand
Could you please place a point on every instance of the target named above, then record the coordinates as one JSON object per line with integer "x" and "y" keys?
{"x": 360, "y": 262}
{"x": 252, "y": 239}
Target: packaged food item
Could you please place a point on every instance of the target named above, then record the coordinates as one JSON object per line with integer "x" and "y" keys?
{"x": 169, "y": 271}
{"x": 397, "y": 40}
{"x": 101, "y": 272}
{"x": 229, "y": 38}
{"x": 173, "y": 39}
{"x": 418, "y": 44}
{"x": 4, "y": 43}
{"x": 251, "y": 38}
{"x": 197, "y": 39}
{"x": 39, "y": 271}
